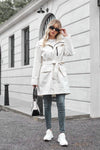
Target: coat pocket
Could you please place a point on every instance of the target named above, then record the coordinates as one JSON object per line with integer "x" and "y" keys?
{"x": 46, "y": 68}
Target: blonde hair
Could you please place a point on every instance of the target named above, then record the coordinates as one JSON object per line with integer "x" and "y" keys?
{"x": 46, "y": 35}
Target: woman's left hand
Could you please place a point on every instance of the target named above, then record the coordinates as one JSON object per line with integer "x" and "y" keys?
{"x": 63, "y": 32}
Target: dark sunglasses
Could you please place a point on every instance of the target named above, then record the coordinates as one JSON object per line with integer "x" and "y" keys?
{"x": 56, "y": 29}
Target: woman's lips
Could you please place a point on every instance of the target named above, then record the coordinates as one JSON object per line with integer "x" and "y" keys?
{"x": 53, "y": 32}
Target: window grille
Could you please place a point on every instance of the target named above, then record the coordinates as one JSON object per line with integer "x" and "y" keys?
{"x": 49, "y": 18}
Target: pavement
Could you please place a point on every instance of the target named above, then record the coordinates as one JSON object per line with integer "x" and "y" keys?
{"x": 21, "y": 132}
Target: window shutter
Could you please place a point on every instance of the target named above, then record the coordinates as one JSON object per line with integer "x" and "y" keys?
{"x": 26, "y": 46}
{"x": 12, "y": 50}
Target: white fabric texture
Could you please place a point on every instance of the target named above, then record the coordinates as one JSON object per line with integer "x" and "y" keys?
{"x": 48, "y": 71}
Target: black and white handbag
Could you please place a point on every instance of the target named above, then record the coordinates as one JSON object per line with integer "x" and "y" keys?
{"x": 35, "y": 108}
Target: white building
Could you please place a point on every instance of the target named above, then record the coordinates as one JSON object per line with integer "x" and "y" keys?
{"x": 18, "y": 36}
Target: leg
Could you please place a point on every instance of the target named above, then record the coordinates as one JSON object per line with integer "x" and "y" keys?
{"x": 61, "y": 111}
{"x": 47, "y": 110}
{"x": 61, "y": 116}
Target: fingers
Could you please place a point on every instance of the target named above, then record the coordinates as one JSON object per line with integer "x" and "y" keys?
{"x": 63, "y": 30}
{"x": 35, "y": 85}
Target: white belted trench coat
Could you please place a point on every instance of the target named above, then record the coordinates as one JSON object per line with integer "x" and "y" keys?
{"x": 48, "y": 66}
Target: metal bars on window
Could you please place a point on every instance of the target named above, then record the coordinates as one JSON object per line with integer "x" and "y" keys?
{"x": 50, "y": 17}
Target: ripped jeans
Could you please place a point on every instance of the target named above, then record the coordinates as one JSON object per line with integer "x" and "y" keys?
{"x": 60, "y": 101}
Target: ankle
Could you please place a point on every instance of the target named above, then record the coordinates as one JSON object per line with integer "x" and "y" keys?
{"x": 49, "y": 129}
{"x": 62, "y": 132}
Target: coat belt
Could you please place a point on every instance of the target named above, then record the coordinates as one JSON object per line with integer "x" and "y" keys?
{"x": 56, "y": 68}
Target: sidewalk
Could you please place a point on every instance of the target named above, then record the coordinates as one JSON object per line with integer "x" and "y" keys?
{"x": 20, "y": 132}
{"x": 24, "y": 107}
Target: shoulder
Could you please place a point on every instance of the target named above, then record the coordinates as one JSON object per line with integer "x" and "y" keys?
{"x": 40, "y": 42}
{"x": 63, "y": 39}
{"x": 67, "y": 37}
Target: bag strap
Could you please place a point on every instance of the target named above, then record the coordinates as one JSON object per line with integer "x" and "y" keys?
{"x": 34, "y": 93}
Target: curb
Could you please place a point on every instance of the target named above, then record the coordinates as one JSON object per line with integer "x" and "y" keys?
{"x": 5, "y": 108}
{"x": 42, "y": 118}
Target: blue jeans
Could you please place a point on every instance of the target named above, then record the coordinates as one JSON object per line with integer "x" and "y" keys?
{"x": 60, "y": 101}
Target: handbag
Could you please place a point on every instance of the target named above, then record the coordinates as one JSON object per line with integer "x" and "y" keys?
{"x": 35, "y": 108}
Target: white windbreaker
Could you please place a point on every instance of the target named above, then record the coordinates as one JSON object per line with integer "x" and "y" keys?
{"x": 48, "y": 71}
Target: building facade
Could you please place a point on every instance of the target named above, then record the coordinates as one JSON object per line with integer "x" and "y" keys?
{"x": 18, "y": 37}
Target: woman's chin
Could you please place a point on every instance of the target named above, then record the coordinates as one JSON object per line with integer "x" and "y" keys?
{"x": 52, "y": 35}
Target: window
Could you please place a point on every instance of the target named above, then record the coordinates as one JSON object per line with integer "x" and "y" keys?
{"x": 26, "y": 46}
{"x": 45, "y": 22}
{"x": 12, "y": 51}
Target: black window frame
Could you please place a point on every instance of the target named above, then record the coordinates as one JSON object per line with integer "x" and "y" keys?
{"x": 26, "y": 45}
{"x": 12, "y": 51}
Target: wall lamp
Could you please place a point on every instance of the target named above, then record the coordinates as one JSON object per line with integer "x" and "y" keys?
{"x": 42, "y": 11}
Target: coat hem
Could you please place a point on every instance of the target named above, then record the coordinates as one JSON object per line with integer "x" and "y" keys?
{"x": 54, "y": 93}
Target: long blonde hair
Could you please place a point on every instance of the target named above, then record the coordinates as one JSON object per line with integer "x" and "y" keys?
{"x": 46, "y": 35}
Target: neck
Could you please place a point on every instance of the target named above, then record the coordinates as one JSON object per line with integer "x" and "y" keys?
{"x": 50, "y": 37}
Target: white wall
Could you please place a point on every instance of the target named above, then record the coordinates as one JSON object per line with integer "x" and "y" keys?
{"x": 19, "y": 77}
{"x": 75, "y": 17}
{"x": 95, "y": 59}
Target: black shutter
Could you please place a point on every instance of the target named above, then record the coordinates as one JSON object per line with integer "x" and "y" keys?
{"x": 12, "y": 50}
{"x": 26, "y": 46}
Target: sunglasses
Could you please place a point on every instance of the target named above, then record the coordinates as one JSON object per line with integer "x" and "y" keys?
{"x": 56, "y": 29}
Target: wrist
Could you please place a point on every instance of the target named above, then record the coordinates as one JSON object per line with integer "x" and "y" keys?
{"x": 68, "y": 36}
{"x": 65, "y": 35}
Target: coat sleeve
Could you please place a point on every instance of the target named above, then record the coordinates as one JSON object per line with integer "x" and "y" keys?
{"x": 69, "y": 49}
{"x": 36, "y": 65}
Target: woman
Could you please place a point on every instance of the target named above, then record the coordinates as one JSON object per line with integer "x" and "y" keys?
{"x": 49, "y": 74}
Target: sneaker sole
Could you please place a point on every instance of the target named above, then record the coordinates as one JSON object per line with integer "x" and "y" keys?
{"x": 48, "y": 140}
{"x": 62, "y": 145}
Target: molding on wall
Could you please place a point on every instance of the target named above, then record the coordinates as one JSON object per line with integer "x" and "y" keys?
{"x": 95, "y": 59}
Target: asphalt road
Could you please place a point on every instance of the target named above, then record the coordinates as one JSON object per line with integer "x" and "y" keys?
{"x": 20, "y": 132}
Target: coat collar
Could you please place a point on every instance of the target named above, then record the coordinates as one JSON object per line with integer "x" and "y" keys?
{"x": 60, "y": 42}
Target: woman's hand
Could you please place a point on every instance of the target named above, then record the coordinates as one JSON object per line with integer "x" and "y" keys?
{"x": 63, "y": 32}
{"x": 35, "y": 85}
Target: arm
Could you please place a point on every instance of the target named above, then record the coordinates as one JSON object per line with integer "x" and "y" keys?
{"x": 69, "y": 49}
{"x": 36, "y": 65}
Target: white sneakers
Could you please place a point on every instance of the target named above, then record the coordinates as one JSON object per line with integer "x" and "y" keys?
{"x": 61, "y": 138}
{"x": 48, "y": 136}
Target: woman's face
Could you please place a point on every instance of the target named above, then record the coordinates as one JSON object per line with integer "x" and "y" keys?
{"x": 53, "y": 30}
